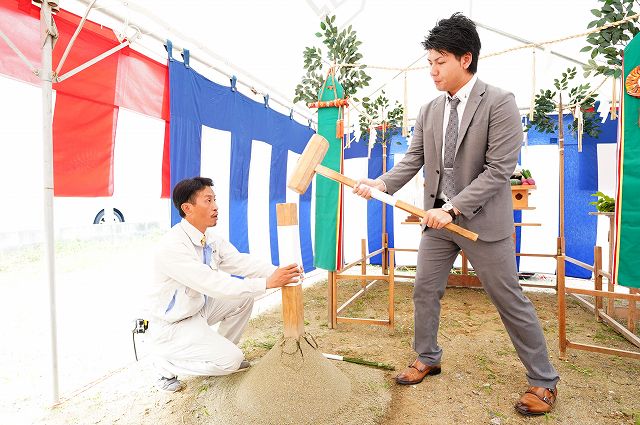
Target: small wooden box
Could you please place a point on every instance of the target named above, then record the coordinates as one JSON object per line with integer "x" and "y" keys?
{"x": 520, "y": 196}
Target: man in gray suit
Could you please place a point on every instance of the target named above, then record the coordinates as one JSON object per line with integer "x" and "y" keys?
{"x": 467, "y": 164}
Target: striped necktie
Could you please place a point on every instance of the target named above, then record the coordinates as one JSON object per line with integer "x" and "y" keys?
{"x": 206, "y": 251}
{"x": 450, "y": 140}
{"x": 206, "y": 255}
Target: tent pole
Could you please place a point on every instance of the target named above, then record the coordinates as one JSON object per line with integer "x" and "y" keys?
{"x": 46, "y": 74}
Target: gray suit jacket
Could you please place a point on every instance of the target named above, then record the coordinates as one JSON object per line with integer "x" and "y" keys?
{"x": 487, "y": 149}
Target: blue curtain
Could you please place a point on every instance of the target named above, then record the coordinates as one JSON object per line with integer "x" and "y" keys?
{"x": 195, "y": 101}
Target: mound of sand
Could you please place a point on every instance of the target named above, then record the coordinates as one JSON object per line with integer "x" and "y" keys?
{"x": 294, "y": 384}
{"x": 291, "y": 380}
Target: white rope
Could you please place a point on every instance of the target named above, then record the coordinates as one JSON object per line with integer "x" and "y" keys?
{"x": 501, "y": 52}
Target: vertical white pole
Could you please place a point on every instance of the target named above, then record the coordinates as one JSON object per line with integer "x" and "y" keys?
{"x": 47, "y": 141}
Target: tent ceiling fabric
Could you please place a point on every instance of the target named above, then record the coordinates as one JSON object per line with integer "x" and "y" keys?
{"x": 266, "y": 38}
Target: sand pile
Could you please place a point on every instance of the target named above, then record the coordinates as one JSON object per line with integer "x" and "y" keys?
{"x": 294, "y": 383}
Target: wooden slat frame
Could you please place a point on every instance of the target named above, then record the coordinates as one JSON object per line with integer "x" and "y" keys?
{"x": 597, "y": 293}
{"x": 388, "y": 263}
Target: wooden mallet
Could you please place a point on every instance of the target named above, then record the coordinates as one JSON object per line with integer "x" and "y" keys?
{"x": 309, "y": 164}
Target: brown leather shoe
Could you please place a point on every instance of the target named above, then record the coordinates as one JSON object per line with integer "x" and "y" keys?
{"x": 537, "y": 401}
{"x": 416, "y": 372}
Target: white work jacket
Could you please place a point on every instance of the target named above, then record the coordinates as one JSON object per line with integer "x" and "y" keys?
{"x": 183, "y": 281}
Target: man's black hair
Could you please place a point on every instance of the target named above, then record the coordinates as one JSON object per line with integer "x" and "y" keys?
{"x": 456, "y": 35}
{"x": 186, "y": 190}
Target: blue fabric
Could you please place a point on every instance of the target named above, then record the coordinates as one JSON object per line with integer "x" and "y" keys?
{"x": 580, "y": 181}
{"x": 206, "y": 254}
{"x": 360, "y": 149}
{"x": 195, "y": 101}
{"x": 374, "y": 207}
{"x": 172, "y": 302}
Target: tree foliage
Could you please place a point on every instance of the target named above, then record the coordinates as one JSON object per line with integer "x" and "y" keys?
{"x": 546, "y": 104}
{"x": 341, "y": 48}
{"x": 379, "y": 111}
{"x": 606, "y": 46}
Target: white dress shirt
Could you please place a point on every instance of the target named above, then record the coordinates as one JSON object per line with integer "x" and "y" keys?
{"x": 182, "y": 281}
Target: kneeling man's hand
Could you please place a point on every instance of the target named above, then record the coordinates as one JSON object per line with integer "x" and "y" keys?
{"x": 283, "y": 276}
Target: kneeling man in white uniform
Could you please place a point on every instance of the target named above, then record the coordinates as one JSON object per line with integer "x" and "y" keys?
{"x": 193, "y": 289}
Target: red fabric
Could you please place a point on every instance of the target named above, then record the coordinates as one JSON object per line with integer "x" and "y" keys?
{"x": 24, "y": 32}
{"x": 166, "y": 164}
{"x": 142, "y": 85}
{"x": 87, "y": 103}
{"x": 83, "y": 148}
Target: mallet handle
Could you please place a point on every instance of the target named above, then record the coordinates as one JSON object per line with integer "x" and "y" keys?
{"x": 388, "y": 199}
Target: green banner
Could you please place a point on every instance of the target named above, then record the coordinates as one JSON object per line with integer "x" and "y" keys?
{"x": 627, "y": 272}
{"x": 328, "y": 199}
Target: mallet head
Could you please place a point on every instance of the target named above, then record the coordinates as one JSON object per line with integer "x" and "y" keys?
{"x": 311, "y": 157}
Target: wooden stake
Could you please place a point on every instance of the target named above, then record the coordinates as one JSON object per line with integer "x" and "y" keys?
{"x": 287, "y": 214}
{"x": 292, "y": 311}
{"x": 292, "y": 306}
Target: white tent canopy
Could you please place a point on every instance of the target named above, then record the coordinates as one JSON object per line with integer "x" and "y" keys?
{"x": 261, "y": 42}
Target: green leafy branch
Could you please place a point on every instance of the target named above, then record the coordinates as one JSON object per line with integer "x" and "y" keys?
{"x": 545, "y": 104}
{"x": 341, "y": 48}
{"x": 608, "y": 44}
{"x": 379, "y": 112}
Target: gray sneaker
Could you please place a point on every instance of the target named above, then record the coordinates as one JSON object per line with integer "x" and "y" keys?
{"x": 244, "y": 365}
{"x": 170, "y": 385}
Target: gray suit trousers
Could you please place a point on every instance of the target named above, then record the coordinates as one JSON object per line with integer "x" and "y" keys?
{"x": 495, "y": 265}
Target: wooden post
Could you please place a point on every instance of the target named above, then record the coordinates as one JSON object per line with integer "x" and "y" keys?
{"x": 334, "y": 300}
{"x": 465, "y": 264}
{"x": 631, "y": 312}
{"x": 561, "y": 170}
{"x": 363, "y": 265}
{"x": 562, "y": 308}
{"x": 385, "y": 252}
{"x": 597, "y": 279}
{"x": 332, "y": 305}
{"x": 292, "y": 307}
{"x": 610, "y": 283}
{"x": 391, "y": 287}
{"x": 385, "y": 245}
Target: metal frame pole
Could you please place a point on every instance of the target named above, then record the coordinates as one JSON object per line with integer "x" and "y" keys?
{"x": 46, "y": 76}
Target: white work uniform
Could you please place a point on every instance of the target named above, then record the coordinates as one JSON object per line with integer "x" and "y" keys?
{"x": 191, "y": 292}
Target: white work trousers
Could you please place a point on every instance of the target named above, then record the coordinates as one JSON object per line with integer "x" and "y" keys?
{"x": 191, "y": 347}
